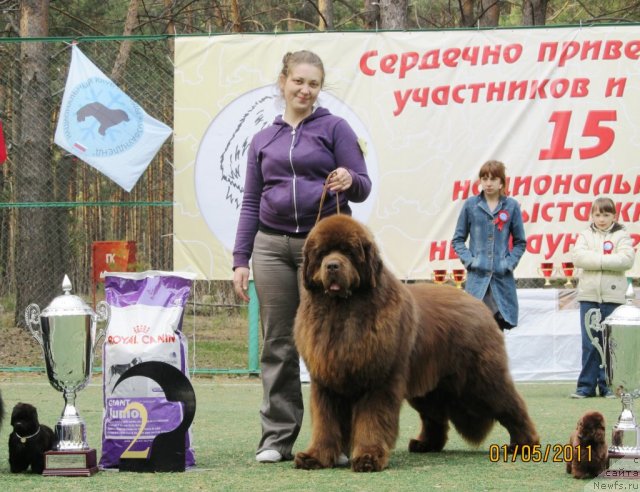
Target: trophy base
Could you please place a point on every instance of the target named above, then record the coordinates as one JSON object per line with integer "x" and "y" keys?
{"x": 81, "y": 463}
{"x": 632, "y": 454}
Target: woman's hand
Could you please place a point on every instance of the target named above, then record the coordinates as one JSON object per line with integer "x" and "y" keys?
{"x": 340, "y": 180}
{"x": 241, "y": 282}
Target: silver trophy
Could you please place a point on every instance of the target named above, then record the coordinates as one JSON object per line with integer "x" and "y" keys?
{"x": 621, "y": 333}
{"x": 66, "y": 331}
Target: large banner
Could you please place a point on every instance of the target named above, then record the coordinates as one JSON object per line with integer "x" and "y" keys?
{"x": 559, "y": 106}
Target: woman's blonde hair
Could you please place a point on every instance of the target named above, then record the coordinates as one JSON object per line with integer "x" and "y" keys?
{"x": 290, "y": 60}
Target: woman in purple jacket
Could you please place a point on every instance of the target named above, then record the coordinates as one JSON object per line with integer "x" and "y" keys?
{"x": 287, "y": 165}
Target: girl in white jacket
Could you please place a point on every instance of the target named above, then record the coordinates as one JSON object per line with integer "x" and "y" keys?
{"x": 603, "y": 252}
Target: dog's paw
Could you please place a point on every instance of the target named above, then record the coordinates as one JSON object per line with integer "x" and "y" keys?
{"x": 305, "y": 461}
{"x": 416, "y": 446}
{"x": 366, "y": 463}
{"x": 369, "y": 459}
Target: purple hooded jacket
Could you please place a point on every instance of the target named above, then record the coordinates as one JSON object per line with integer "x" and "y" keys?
{"x": 286, "y": 171}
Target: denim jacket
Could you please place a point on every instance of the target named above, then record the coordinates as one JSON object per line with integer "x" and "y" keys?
{"x": 488, "y": 259}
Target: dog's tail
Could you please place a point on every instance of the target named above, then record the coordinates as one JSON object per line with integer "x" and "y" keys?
{"x": 474, "y": 428}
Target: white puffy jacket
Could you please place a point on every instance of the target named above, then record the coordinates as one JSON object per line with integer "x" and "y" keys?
{"x": 602, "y": 277}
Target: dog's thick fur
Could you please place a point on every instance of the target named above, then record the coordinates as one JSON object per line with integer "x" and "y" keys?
{"x": 589, "y": 457}
{"x": 38, "y": 439}
{"x": 370, "y": 341}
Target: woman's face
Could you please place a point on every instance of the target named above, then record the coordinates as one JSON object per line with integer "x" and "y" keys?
{"x": 491, "y": 185}
{"x": 301, "y": 87}
{"x": 602, "y": 220}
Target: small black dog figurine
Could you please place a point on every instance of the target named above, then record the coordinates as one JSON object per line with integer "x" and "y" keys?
{"x": 29, "y": 440}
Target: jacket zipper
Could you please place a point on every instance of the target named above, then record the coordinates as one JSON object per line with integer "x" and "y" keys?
{"x": 293, "y": 171}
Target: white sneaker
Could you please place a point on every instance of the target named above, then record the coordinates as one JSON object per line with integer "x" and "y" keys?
{"x": 342, "y": 460}
{"x": 268, "y": 456}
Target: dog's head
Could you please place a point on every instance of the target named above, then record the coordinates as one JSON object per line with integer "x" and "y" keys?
{"x": 339, "y": 257}
{"x": 591, "y": 428}
{"x": 24, "y": 419}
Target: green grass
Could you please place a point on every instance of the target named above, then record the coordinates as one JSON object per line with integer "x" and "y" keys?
{"x": 226, "y": 430}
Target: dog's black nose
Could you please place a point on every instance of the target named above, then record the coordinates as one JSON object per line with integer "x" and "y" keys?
{"x": 333, "y": 266}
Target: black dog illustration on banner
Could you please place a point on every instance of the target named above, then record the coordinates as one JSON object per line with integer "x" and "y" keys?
{"x": 107, "y": 117}
{"x": 168, "y": 449}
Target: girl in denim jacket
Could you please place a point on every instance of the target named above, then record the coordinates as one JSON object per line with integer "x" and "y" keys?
{"x": 489, "y": 220}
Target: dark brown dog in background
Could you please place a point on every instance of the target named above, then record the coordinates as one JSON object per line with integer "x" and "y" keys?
{"x": 29, "y": 440}
{"x": 370, "y": 341}
{"x": 589, "y": 447}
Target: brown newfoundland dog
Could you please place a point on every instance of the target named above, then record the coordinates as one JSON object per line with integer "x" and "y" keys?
{"x": 590, "y": 453}
{"x": 370, "y": 341}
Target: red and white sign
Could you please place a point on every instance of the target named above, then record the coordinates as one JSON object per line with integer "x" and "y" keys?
{"x": 112, "y": 256}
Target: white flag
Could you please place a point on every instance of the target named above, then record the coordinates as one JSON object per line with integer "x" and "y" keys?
{"x": 104, "y": 127}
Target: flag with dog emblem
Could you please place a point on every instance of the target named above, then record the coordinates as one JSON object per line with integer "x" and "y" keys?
{"x": 104, "y": 127}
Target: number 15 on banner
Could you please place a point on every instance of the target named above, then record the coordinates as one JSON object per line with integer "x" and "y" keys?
{"x": 594, "y": 127}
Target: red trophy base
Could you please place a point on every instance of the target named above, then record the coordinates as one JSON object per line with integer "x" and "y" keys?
{"x": 81, "y": 463}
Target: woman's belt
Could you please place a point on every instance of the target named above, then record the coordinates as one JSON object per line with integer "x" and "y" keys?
{"x": 275, "y": 232}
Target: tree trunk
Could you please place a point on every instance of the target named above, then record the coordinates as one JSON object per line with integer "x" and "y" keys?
{"x": 171, "y": 27}
{"x": 490, "y": 13}
{"x": 40, "y": 254}
{"x": 125, "y": 46}
{"x": 326, "y": 15}
{"x": 235, "y": 16}
{"x": 534, "y": 12}
{"x": 467, "y": 18}
{"x": 393, "y": 14}
{"x": 6, "y": 93}
{"x": 371, "y": 14}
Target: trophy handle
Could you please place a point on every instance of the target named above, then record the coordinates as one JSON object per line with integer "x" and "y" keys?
{"x": 592, "y": 323}
{"x": 32, "y": 317}
{"x": 103, "y": 313}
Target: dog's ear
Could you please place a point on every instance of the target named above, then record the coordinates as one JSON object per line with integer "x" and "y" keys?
{"x": 309, "y": 263}
{"x": 372, "y": 264}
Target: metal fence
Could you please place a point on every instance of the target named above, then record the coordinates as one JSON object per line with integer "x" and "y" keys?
{"x": 53, "y": 206}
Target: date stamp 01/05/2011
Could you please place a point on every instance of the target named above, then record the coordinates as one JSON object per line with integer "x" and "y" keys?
{"x": 538, "y": 453}
{"x": 625, "y": 467}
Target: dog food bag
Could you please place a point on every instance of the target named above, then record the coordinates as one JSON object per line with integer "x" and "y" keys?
{"x": 145, "y": 324}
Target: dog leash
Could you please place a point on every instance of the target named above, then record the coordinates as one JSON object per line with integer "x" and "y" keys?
{"x": 325, "y": 188}
{"x": 26, "y": 438}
